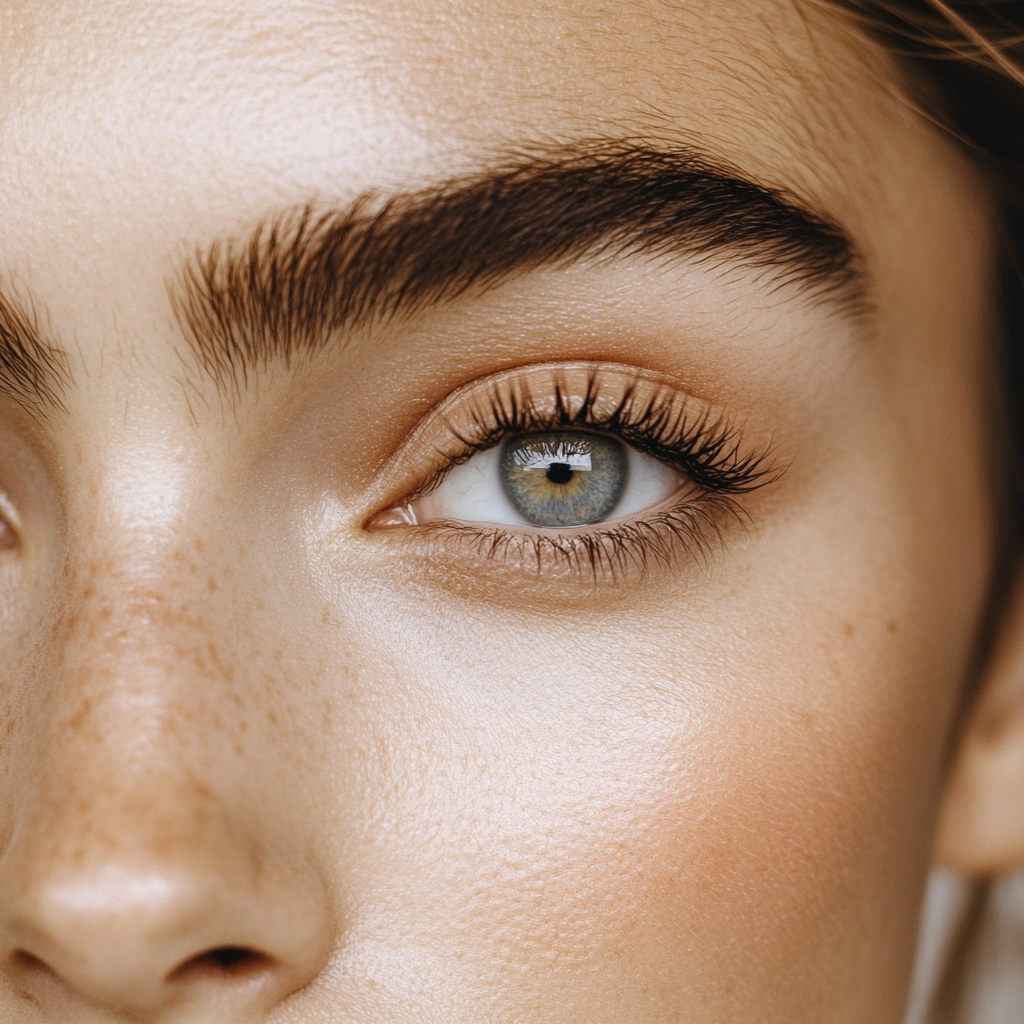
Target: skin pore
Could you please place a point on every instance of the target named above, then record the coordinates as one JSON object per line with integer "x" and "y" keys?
{"x": 270, "y": 756}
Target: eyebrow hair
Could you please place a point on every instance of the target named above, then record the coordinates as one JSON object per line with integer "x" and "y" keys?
{"x": 306, "y": 274}
{"x": 33, "y": 372}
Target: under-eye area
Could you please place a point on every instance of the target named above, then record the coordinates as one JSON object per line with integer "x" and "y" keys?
{"x": 594, "y": 469}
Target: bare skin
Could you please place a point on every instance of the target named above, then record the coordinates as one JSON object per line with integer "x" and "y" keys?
{"x": 270, "y": 756}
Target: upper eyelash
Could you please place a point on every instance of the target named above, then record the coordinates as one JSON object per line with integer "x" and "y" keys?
{"x": 705, "y": 447}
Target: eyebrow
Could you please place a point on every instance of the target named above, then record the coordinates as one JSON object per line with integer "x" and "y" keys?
{"x": 307, "y": 274}
{"x": 34, "y": 373}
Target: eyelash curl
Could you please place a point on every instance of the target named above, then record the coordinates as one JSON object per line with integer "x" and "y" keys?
{"x": 704, "y": 446}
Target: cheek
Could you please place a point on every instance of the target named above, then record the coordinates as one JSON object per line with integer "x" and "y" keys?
{"x": 658, "y": 806}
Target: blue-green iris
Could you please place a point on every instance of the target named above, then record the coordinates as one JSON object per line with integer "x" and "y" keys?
{"x": 564, "y": 477}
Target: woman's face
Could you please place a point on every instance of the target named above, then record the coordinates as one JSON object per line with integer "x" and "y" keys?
{"x": 640, "y": 715}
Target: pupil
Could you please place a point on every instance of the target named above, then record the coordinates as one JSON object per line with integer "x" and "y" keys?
{"x": 559, "y": 472}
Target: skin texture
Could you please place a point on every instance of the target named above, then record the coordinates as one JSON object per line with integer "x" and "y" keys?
{"x": 415, "y": 781}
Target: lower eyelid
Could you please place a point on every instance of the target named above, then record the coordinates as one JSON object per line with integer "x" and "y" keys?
{"x": 686, "y": 530}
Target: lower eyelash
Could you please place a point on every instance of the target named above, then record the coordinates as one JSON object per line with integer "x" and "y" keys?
{"x": 691, "y": 530}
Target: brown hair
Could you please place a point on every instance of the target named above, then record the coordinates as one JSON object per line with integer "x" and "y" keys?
{"x": 966, "y": 73}
{"x": 966, "y": 63}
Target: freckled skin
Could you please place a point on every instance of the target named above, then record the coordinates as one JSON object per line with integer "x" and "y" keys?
{"x": 430, "y": 789}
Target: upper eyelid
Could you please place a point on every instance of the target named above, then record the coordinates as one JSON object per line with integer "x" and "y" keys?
{"x": 434, "y": 432}
{"x": 439, "y": 440}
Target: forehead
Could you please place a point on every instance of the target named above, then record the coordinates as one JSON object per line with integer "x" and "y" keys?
{"x": 176, "y": 105}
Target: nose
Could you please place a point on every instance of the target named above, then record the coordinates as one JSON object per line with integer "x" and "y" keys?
{"x": 154, "y": 870}
{"x": 180, "y": 929}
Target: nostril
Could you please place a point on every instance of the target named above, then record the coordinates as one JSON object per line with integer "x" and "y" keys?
{"x": 227, "y": 962}
{"x": 30, "y": 972}
{"x": 230, "y": 958}
{"x": 25, "y": 961}
{"x": 210, "y": 927}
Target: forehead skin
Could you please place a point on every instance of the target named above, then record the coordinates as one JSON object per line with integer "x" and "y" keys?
{"x": 728, "y": 817}
{"x": 333, "y": 99}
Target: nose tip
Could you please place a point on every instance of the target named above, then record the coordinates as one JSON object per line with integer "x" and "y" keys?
{"x": 145, "y": 940}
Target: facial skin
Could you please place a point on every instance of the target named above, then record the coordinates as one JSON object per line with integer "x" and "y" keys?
{"x": 403, "y": 776}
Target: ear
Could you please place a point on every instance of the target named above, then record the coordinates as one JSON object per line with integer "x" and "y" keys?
{"x": 981, "y": 825}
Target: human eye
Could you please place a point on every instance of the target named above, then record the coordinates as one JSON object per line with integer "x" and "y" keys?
{"x": 550, "y": 479}
{"x": 581, "y": 467}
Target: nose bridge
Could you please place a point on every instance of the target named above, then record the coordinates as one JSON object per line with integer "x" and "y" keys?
{"x": 129, "y": 597}
{"x": 136, "y": 653}
{"x": 141, "y": 870}
{"x": 134, "y": 612}
{"x": 138, "y": 692}
{"x": 123, "y": 661}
